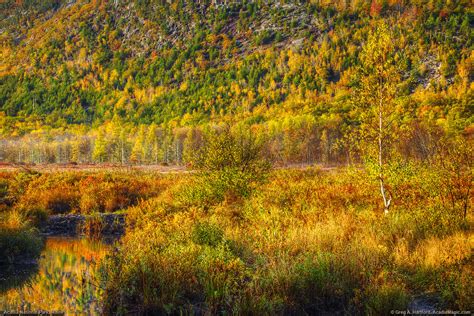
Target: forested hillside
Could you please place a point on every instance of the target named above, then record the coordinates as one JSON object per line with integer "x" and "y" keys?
{"x": 141, "y": 81}
{"x": 243, "y": 157}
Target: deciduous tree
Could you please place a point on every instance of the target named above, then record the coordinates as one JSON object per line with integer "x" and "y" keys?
{"x": 378, "y": 80}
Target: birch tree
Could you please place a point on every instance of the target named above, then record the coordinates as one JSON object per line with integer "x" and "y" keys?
{"x": 379, "y": 77}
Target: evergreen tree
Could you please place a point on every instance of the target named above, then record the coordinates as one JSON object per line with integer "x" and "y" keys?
{"x": 99, "y": 153}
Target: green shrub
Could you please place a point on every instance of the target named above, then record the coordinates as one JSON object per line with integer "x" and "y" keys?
{"x": 265, "y": 37}
{"x": 231, "y": 166}
{"x": 455, "y": 286}
{"x": 222, "y": 277}
{"x": 207, "y": 234}
{"x": 19, "y": 244}
{"x": 321, "y": 284}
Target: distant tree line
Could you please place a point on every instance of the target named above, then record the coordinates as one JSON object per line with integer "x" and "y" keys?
{"x": 296, "y": 140}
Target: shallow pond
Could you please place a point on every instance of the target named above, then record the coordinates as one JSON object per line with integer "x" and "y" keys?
{"x": 64, "y": 279}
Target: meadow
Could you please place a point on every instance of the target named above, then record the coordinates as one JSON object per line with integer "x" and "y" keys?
{"x": 281, "y": 241}
{"x": 304, "y": 242}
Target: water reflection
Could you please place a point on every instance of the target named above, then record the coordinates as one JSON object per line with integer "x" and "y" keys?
{"x": 14, "y": 276}
{"x": 65, "y": 279}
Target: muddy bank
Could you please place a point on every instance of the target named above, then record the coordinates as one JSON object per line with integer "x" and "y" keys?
{"x": 77, "y": 225}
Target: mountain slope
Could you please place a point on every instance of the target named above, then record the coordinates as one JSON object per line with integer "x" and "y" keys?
{"x": 84, "y": 62}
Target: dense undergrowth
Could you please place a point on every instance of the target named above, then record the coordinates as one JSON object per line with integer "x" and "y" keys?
{"x": 303, "y": 242}
{"x": 38, "y": 195}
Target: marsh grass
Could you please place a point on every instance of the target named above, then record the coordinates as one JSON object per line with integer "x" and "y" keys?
{"x": 39, "y": 195}
{"x": 294, "y": 241}
{"x": 92, "y": 226}
{"x": 301, "y": 242}
{"x": 18, "y": 239}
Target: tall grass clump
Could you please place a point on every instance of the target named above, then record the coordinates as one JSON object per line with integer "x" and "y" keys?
{"x": 18, "y": 239}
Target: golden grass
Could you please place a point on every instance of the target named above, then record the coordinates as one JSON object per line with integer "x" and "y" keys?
{"x": 304, "y": 242}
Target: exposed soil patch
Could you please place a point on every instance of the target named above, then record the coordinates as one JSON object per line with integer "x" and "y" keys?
{"x": 76, "y": 224}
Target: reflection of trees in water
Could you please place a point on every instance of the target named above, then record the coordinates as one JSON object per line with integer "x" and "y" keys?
{"x": 65, "y": 279}
{"x": 15, "y": 276}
